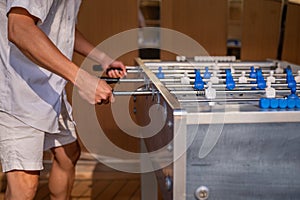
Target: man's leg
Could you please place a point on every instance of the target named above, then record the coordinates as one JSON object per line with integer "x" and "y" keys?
{"x": 21, "y": 185}
{"x": 21, "y": 154}
{"x": 62, "y": 173}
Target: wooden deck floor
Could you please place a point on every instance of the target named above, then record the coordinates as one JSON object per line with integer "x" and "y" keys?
{"x": 93, "y": 181}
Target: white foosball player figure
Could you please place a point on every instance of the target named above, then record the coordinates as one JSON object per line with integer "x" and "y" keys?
{"x": 210, "y": 93}
{"x": 197, "y": 58}
{"x": 270, "y": 92}
{"x": 216, "y": 66}
{"x": 232, "y": 69}
{"x": 279, "y": 69}
{"x": 185, "y": 80}
{"x": 243, "y": 78}
{"x": 297, "y": 78}
{"x": 214, "y": 78}
{"x": 180, "y": 58}
{"x": 271, "y": 78}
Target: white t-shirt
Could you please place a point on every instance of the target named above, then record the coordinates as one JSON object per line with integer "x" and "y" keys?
{"x": 29, "y": 92}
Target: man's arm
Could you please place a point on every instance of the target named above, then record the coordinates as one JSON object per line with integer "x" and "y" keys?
{"x": 23, "y": 32}
{"x": 85, "y": 48}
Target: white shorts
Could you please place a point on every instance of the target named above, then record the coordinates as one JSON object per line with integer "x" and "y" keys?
{"x": 22, "y": 146}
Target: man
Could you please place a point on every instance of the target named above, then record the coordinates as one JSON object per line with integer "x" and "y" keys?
{"x": 37, "y": 39}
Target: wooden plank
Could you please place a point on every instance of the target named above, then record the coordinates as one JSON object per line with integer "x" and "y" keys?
{"x": 98, "y": 187}
{"x": 203, "y": 20}
{"x": 99, "y": 20}
{"x": 291, "y": 44}
{"x": 128, "y": 190}
{"x": 136, "y": 195}
{"x": 103, "y": 182}
{"x": 112, "y": 190}
{"x": 115, "y": 176}
{"x": 81, "y": 187}
{"x": 261, "y": 29}
{"x": 235, "y": 20}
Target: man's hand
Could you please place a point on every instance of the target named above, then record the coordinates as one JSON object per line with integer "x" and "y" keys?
{"x": 92, "y": 89}
{"x": 116, "y": 70}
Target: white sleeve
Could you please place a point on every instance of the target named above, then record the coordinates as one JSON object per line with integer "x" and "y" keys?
{"x": 37, "y": 8}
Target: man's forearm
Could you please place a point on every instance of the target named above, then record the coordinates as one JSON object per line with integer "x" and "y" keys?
{"x": 85, "y": 48}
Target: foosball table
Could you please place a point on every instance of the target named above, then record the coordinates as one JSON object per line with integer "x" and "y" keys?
{"x": 230, "y": 128}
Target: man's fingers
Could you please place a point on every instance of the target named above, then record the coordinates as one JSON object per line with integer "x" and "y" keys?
{"x": 116, "y": 73}
{"x": 106, "y": 101}
{"x": 104, "y": 93}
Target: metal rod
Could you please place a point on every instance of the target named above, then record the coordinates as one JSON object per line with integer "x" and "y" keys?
{"x": 228, "y": 91}
{"x": 131, "y": 93}
{"x": 135, "y": 80}
{"x": 123, "y": 80}
{"x": 223, "y": 75}
{"x": 207, "y": 80}
{"x": 216, "y": 100}
{"x": 224, "y": 85}
{"x": 181, "y": 71}
{"x": 132, "y": 67}
{"x": 219, "y": 64}
{"x": 193, "y": 92}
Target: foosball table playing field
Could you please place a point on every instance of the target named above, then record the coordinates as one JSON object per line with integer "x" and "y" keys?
{"x": 230, "y": 128}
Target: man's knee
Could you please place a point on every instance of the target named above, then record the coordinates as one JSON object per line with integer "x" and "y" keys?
{"x": 22, "y": 184}
{"x": 67, "y": 155}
